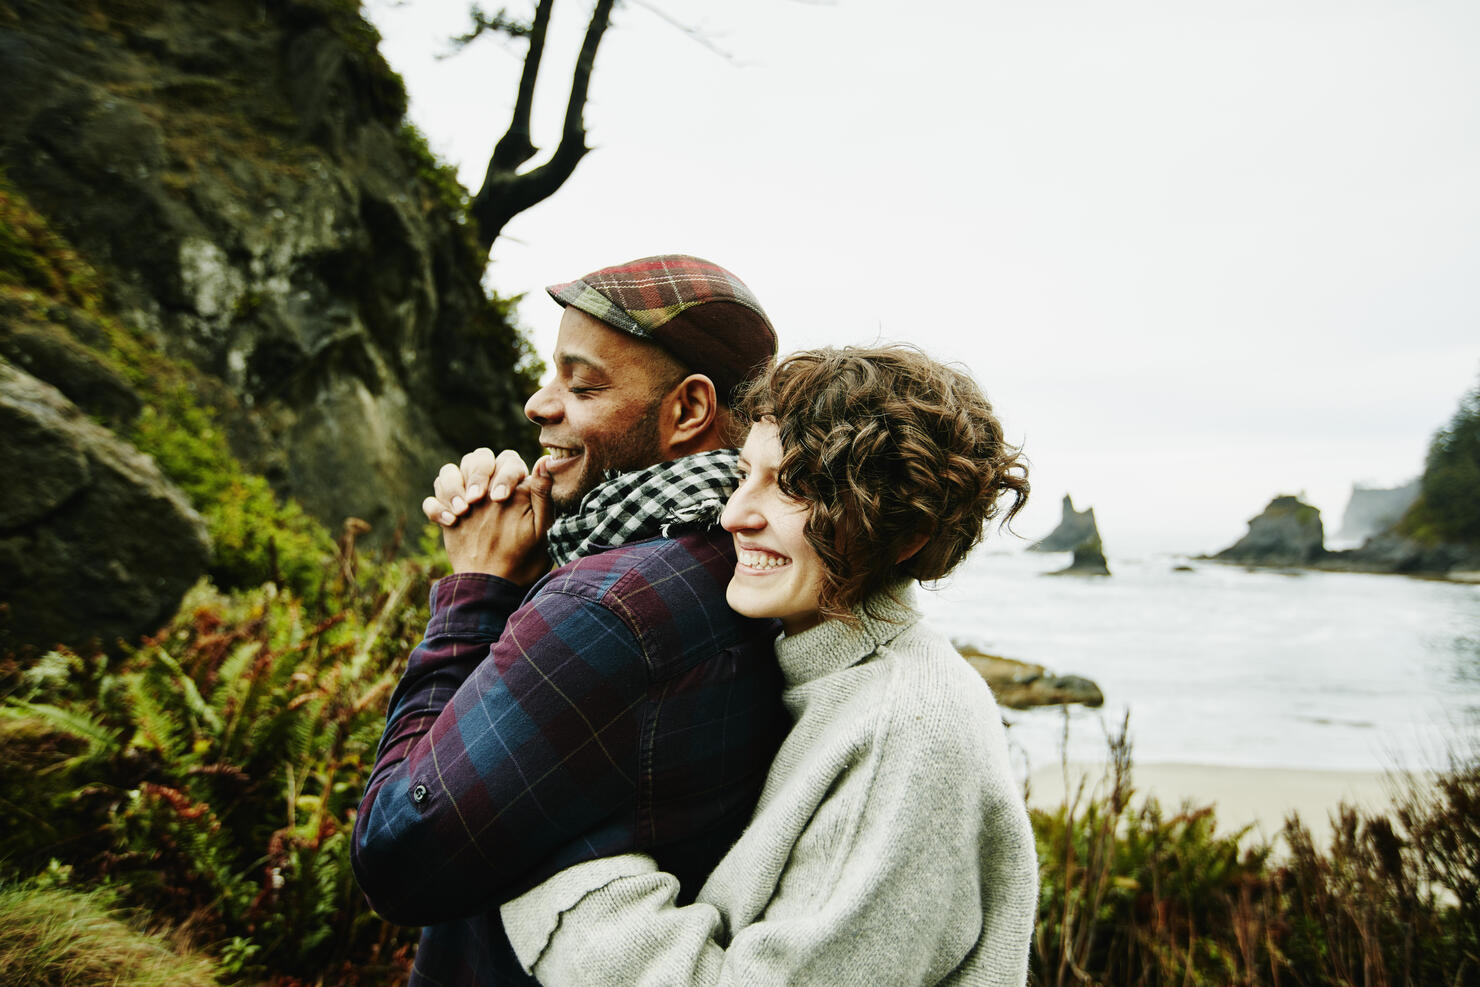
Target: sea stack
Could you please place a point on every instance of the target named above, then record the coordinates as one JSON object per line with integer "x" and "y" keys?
{"x": 1075, "y": 528}
{"x": 1288, "y": 532}
{"x": 1089, "y": 560}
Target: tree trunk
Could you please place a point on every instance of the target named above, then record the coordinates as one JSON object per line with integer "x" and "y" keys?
{"x": 506, "y": 191}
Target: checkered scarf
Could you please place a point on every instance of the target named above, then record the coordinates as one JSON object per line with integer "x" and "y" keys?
{"x": 628, "y": 507}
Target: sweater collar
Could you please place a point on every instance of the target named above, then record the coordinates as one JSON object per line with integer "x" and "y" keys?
{"x": 834, "y": 645}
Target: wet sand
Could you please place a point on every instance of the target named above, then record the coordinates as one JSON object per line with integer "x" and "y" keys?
{"x": 1261, "y": 797}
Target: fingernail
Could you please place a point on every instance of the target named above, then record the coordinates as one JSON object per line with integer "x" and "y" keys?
{"x": 448, "y": 517}
{"x": 459, "y": 505}
{"x": 474, "y": 493}
{"x": 499, "y": 492}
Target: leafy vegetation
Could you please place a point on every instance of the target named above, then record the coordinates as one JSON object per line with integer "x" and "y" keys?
{"x": 211, "y": 775}
{"x": 1132, "y": 896}
{"x": 1448, "y": 506}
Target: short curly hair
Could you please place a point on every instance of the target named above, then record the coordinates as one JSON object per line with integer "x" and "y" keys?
{"x": 886, "y": 446}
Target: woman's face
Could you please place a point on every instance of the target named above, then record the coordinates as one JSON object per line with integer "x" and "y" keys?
{"x": 777, "y": 573}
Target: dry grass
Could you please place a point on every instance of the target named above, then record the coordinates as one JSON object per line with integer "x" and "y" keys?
{"x": 53, "y": 936}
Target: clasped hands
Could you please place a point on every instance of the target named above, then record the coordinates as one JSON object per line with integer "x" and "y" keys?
{"x": 494, "y": 512}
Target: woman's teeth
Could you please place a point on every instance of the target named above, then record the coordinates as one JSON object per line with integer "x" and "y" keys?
{"x": 762, "y": 560}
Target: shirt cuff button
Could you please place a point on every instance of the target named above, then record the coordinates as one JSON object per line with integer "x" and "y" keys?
{"x": 419, "y": 794}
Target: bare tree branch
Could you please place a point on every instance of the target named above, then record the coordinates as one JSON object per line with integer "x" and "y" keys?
{"x": 517, "y": 144}
{"x": 483, "y": 23}
{"x": 694, "y": 34}
{"x": 507, "y": 192}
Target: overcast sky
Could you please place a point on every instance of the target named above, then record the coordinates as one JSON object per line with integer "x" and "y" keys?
{"x": 1198, "y": 253}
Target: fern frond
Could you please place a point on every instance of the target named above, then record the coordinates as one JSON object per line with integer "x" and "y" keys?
{"x": 156, "y": 727}
{"x": 101, "y": 739}
{"x": 188, "y": 691}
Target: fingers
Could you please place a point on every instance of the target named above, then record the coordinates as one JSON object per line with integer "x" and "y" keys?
{"x": 438, "y": 512}
{"x": 483, "y": 471}
{"x": 460, "y": 485}
{"x": 477, "y": 466}
{"x": 509, "y": 471}
{"x": 539, "y": 484}
{"x": 449, "y": 492}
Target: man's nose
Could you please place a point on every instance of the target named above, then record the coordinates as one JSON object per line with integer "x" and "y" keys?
{"x": 543, "y": 408}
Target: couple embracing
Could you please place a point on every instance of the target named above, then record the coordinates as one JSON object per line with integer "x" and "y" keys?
{"x": 676, "y": 718}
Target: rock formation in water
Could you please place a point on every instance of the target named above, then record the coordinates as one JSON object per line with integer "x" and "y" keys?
{"x": 1089, "y": 560}
{"x": 1074, "y": 529}
{"x": 1396, "y": 552}
{"x": 1287, "y": 532}
{"x": 1022, "y": 685}
{"x": 1373, "y": 510}
{"x": 243, "y": 176}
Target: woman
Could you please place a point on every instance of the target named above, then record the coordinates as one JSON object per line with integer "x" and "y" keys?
{"x": 890, "y": 845}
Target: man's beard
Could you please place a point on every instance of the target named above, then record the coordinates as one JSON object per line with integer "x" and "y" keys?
{"x": 634, "y": 448}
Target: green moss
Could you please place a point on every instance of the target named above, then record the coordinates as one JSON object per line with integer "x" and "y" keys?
{"x": 35, "y": 258}
{"x": 379, "y": 82}
{"x": 439, "y": 177}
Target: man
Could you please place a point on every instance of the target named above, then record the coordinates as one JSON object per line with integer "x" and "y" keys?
{"x": 617, "y": 703}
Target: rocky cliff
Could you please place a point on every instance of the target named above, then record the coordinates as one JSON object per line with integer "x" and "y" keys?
{"x": 1373, "y": 510}
{"x": 242, "y": 174}
{"x": 1393, "y": 551}
{"x": 217, "y": 229}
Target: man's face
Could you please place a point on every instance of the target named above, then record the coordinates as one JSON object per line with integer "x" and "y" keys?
{"x": 600, "y": 410}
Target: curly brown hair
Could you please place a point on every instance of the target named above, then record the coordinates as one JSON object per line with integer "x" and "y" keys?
{"x": 886, "y": 446}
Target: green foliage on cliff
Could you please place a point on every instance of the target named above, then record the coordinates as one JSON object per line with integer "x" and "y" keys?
{"x": 1448, "y": 505}
{"x": 48, "y": 289}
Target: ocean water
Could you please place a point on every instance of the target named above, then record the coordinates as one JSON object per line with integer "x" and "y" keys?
{"x": 1222, "y": 665}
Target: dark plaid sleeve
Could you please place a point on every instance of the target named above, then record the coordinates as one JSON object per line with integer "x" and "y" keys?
{"x": 511, "y": 731}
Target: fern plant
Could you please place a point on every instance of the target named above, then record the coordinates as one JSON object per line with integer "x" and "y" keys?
{"x": 213, "y": 773}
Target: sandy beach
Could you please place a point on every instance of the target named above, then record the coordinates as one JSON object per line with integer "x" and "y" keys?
{"x": 1261, "y": 797}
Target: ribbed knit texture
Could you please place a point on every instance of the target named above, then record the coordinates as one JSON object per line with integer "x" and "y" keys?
{"x": 890, "y": 846}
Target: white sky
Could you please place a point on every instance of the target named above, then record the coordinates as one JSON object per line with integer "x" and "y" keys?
{"x": 1198, "y": 252}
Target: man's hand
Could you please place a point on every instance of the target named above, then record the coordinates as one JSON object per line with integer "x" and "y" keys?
{"x": 461, "y": 485}
{"x": 504, "y": 536}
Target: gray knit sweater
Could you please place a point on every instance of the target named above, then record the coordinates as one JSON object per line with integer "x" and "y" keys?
{"x": 890, "y": 845}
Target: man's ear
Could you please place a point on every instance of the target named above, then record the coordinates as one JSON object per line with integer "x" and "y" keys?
{"x": 692, "y": 414}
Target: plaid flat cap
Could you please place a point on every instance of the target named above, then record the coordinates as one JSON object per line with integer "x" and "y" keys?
{"x": 696, "y": 310}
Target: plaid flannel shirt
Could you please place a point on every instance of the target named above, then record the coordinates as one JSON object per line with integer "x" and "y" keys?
{"x": 619, "y": 706}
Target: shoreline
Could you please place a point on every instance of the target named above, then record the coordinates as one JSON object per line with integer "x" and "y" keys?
{"x": 1464, "y": 576}
{"x": 1261, "y": 798}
